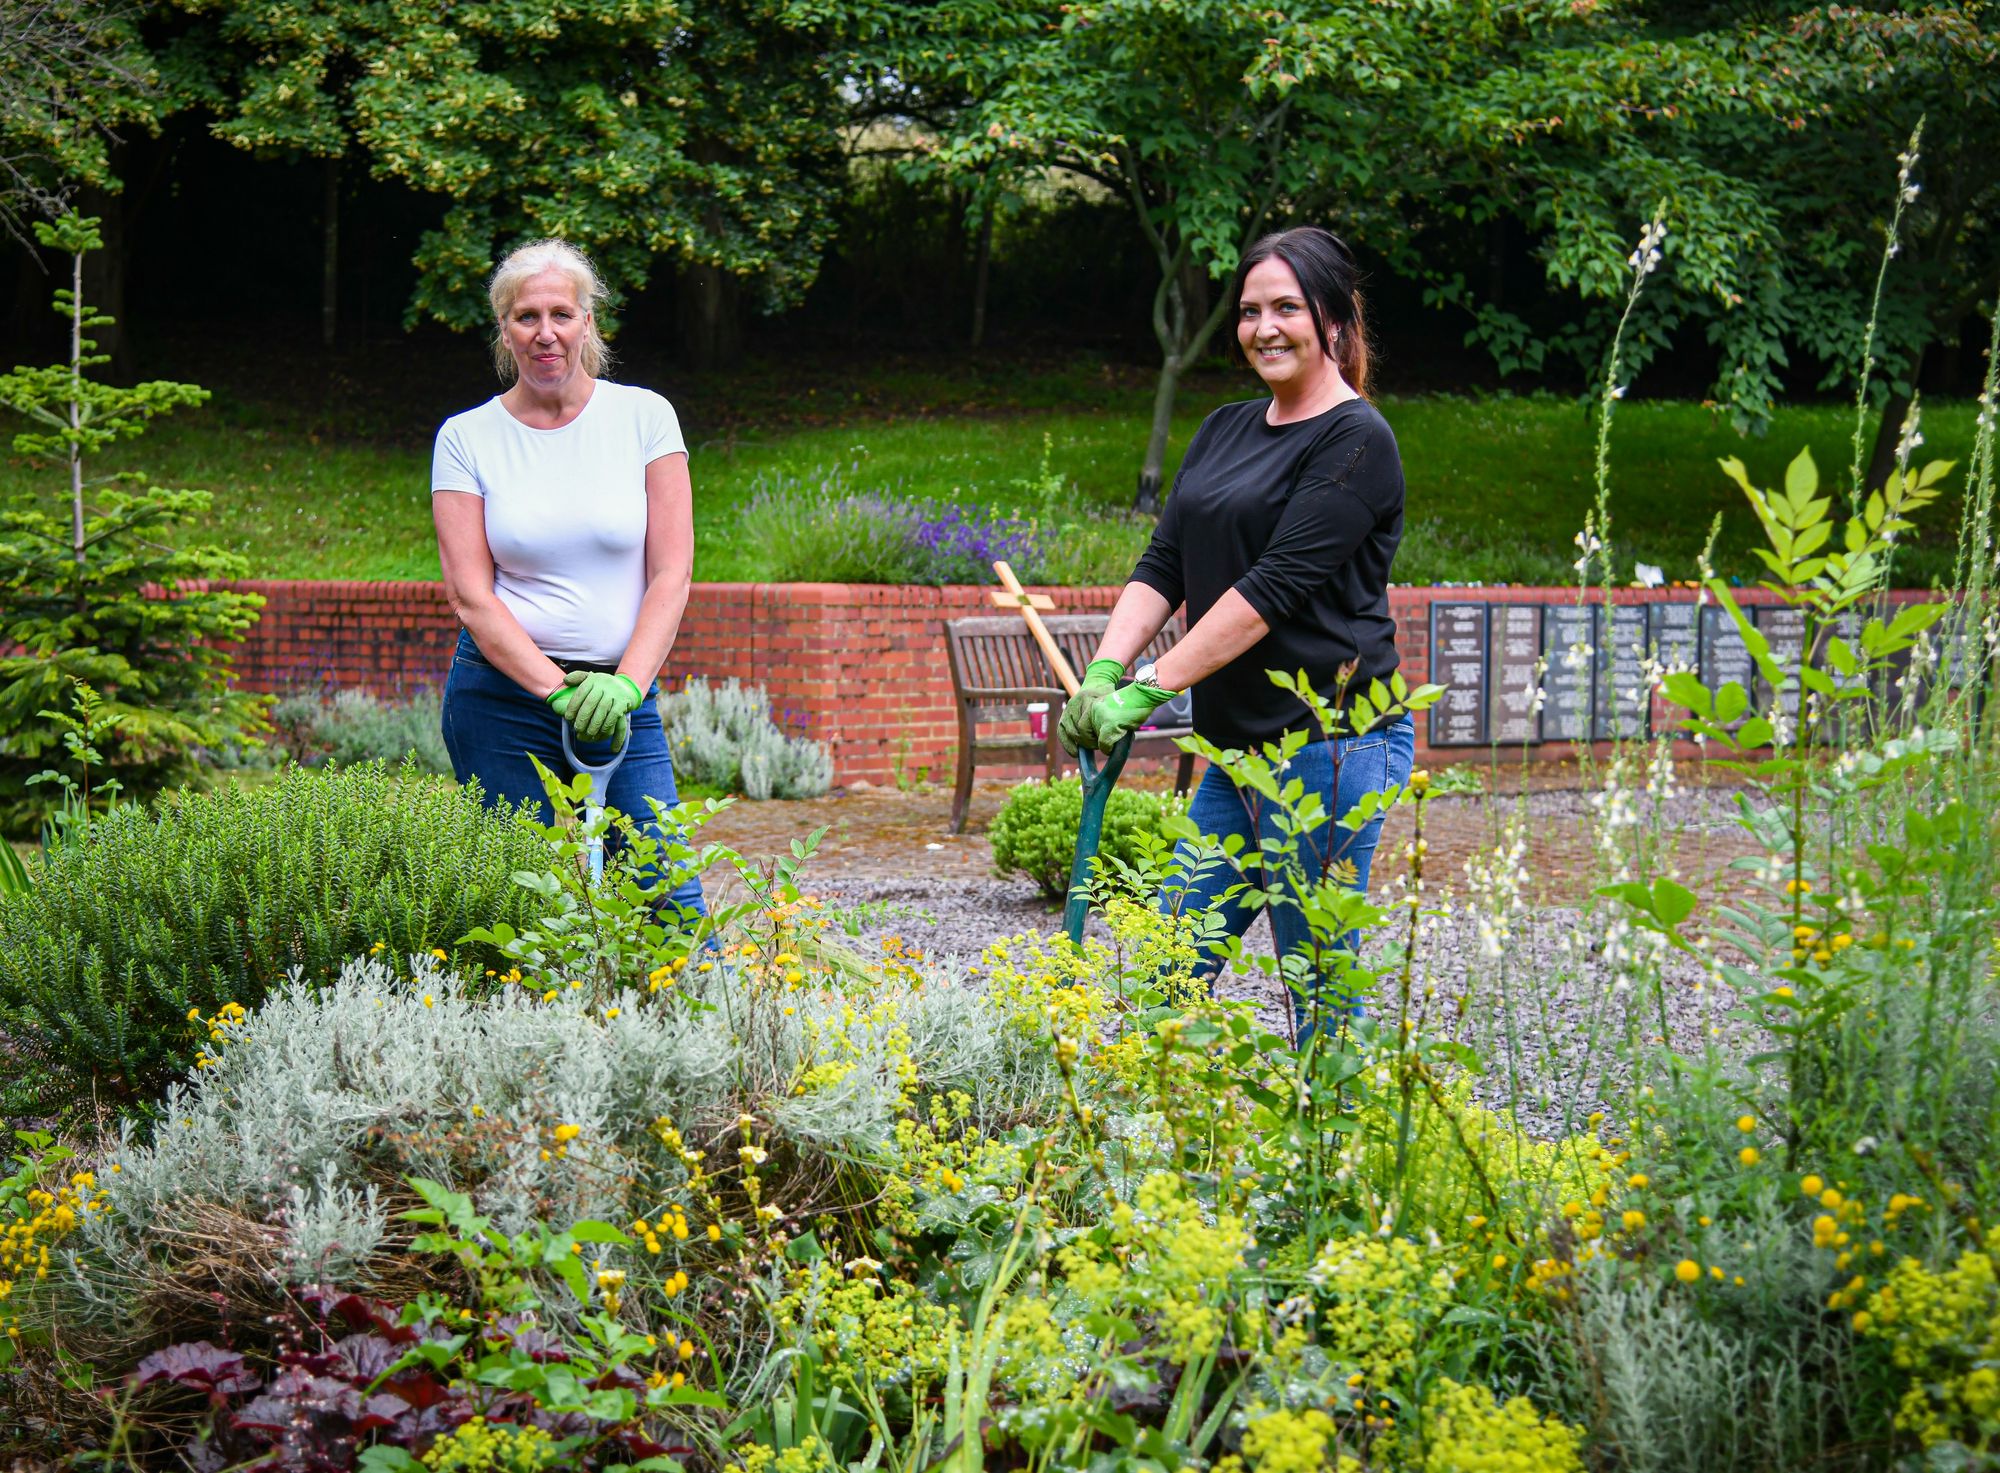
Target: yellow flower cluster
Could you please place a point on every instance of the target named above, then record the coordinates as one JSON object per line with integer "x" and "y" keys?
{"x": 866, "y": 1329}
{"x": 854, "y": 1036}
{"x": 1943, "y": 1327}
{"x": 1467, "y": 1431}
{"x": 1279, "y": 1441}
{"x": 480, "y": 1446}
{"x": 810, "y": 1456}
{"x": 672, "y": 1223}
{"x": 222, "y": 1028}
{"x": 1046, "y": 986}
{"x": 43, "y": 1218}
{"x": 1811, "y": 946}
{"x": 1166, "y": 1260}
{"x": 942, "y": 1155}
{"x": 1381, "y": 1296}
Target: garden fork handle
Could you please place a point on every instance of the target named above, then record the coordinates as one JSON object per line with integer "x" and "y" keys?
{"x": 600, "y": 784}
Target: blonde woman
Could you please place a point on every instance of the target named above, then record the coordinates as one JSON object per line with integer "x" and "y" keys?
{"x": 565, "y": 527}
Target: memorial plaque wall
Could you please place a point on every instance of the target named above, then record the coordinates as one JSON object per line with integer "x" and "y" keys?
{"x": 1514, "y": 646}
{"x": 1785, "y": 630}
{"x": 1624, "y": 704}
{"x": 1458, "y": 663}
{"x": 1724, "y": 656}
{"x": 1567, "y": 636}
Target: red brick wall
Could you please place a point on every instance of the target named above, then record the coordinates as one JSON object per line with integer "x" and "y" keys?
{"x": 859, "y": 666}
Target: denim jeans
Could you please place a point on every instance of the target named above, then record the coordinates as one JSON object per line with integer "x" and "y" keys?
{"x": 1368, "y": 763}
{"x": 491, "y": 725}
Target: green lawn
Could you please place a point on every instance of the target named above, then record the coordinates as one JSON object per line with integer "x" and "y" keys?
{"x": 1497, "y": 486}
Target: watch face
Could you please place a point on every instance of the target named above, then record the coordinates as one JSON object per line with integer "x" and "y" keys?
{"x": 1143, "y": 671}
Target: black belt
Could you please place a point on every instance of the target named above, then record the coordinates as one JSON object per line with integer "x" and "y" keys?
{"x": 568, "y": 665}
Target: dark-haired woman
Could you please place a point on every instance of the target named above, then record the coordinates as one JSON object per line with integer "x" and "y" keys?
{"x": 1279, "y": 536}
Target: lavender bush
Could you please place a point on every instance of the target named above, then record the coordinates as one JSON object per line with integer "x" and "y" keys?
{"x": 817, "y": 528}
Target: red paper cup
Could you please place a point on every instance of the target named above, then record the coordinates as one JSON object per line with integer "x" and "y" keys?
{"x": 1038, "y": 720}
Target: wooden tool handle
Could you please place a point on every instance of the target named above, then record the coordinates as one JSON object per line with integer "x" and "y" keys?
{"x": 1035, "y": 627}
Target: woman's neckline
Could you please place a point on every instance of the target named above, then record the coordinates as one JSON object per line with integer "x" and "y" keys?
{"x": 1264, "y": 416}
{"x": 581, "y": 410}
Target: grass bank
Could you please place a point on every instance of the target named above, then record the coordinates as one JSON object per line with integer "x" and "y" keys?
{"x": 1498, "y": 486}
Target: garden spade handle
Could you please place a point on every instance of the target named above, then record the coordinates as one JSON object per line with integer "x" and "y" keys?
{"x": 600, "y": 784}
{"x": 1098, "y": 779}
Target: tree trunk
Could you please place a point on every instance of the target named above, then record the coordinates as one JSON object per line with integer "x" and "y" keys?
{"x": 1882, "y": 459}
{"x": 1183, "y": 322}
{"x": 1152, "y": 471}
{"x": 706, "y": 315}
{"x": 982, "y": 271}
{"x": 329, "y": 278}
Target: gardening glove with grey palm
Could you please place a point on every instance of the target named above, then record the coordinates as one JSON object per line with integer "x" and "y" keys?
{"x": 1121, "y": 713}
{"x": 1100, "y": 679}
{"x": 601, "y": 706}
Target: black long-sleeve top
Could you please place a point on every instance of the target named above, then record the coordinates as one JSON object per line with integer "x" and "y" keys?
{"x": 1302, "y": 519}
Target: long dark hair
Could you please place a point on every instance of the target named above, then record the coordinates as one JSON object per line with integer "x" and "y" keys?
{"x": 1332, "y": 286}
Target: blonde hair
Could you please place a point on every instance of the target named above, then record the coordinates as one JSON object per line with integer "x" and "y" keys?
{"x": 523, "y": 266}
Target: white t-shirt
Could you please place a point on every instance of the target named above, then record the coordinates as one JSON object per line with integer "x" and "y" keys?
{"x": 565, "y": 512}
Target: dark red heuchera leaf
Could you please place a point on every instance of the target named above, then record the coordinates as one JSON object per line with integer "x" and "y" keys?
{"x": 638, "y": 1445}
{"x": 200, "y": 1366}
{"x": 525, "y": 1335}
{"x": 364, "y": 1357}
{"x": 359, "y": 1313}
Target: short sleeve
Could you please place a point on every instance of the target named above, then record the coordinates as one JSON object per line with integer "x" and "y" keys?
{"x": 661, "y": 429}
{"x": 451, "y": 462}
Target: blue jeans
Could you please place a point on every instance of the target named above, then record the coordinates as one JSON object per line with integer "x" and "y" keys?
{"x": 491, "y": 725}
{"x": 1364, "y": 764}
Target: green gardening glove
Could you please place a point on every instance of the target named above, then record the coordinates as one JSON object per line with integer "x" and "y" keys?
{"x": 602, "y": 706}
{"x": 1120, "y": 714}
{"x": 1100, "y": 679}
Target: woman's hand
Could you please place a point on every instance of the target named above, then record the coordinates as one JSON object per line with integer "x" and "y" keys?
{"x": 1100, "y": 679}
{"x": 1121, "y": 713}
{"x": 598, "y": 707}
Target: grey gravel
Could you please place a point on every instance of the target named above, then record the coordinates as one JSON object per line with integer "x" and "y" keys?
{"x": 1550, "y": 1021}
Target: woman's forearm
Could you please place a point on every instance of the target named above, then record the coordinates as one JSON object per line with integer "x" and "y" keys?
{"x": 504, "y": 643}
{"x": 1140, "y": 613}
{"x": 657, "y": 627}
{"x": 1223, "y": 633}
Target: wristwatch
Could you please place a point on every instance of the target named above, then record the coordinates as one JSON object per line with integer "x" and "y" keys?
{"x": 1144, "y": 674}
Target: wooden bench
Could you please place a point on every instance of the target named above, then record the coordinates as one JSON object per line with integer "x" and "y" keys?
{"x": 997, "y": 669}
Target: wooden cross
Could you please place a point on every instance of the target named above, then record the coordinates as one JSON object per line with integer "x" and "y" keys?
{"x": 1011, "y": 595}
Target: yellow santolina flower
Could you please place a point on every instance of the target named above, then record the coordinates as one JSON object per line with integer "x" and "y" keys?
{"x": 1812, "y": 1186}
{"x": 1748, "y": 1156}
{"x": 439, "y": 953}
{"x": 1798, "y": 887}
{"x": 1638, "y": 1181}
{"x": 1633, "y": 1220}
{"x": 1687, "y": 1271}
{"x": 564, "y": 1134}
{"x": 1746, "y": 1123}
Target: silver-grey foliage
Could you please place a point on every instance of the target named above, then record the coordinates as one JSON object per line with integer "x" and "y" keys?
{"x": 323, "y": 1098}
{"x": 722, "y": 736}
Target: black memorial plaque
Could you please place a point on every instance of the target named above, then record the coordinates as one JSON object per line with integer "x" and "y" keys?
{"x": 1458, "y": 663}
{"x": 1841, "y": 723}
{"x": 1624, "y": 703}
{"x": 1725, "y": 658}
{"x": 1784, "y": 629}
{"x": 1567, "y": 638}
{"x": 1514, "y": 645}
{"x": 1674, "y": 631}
